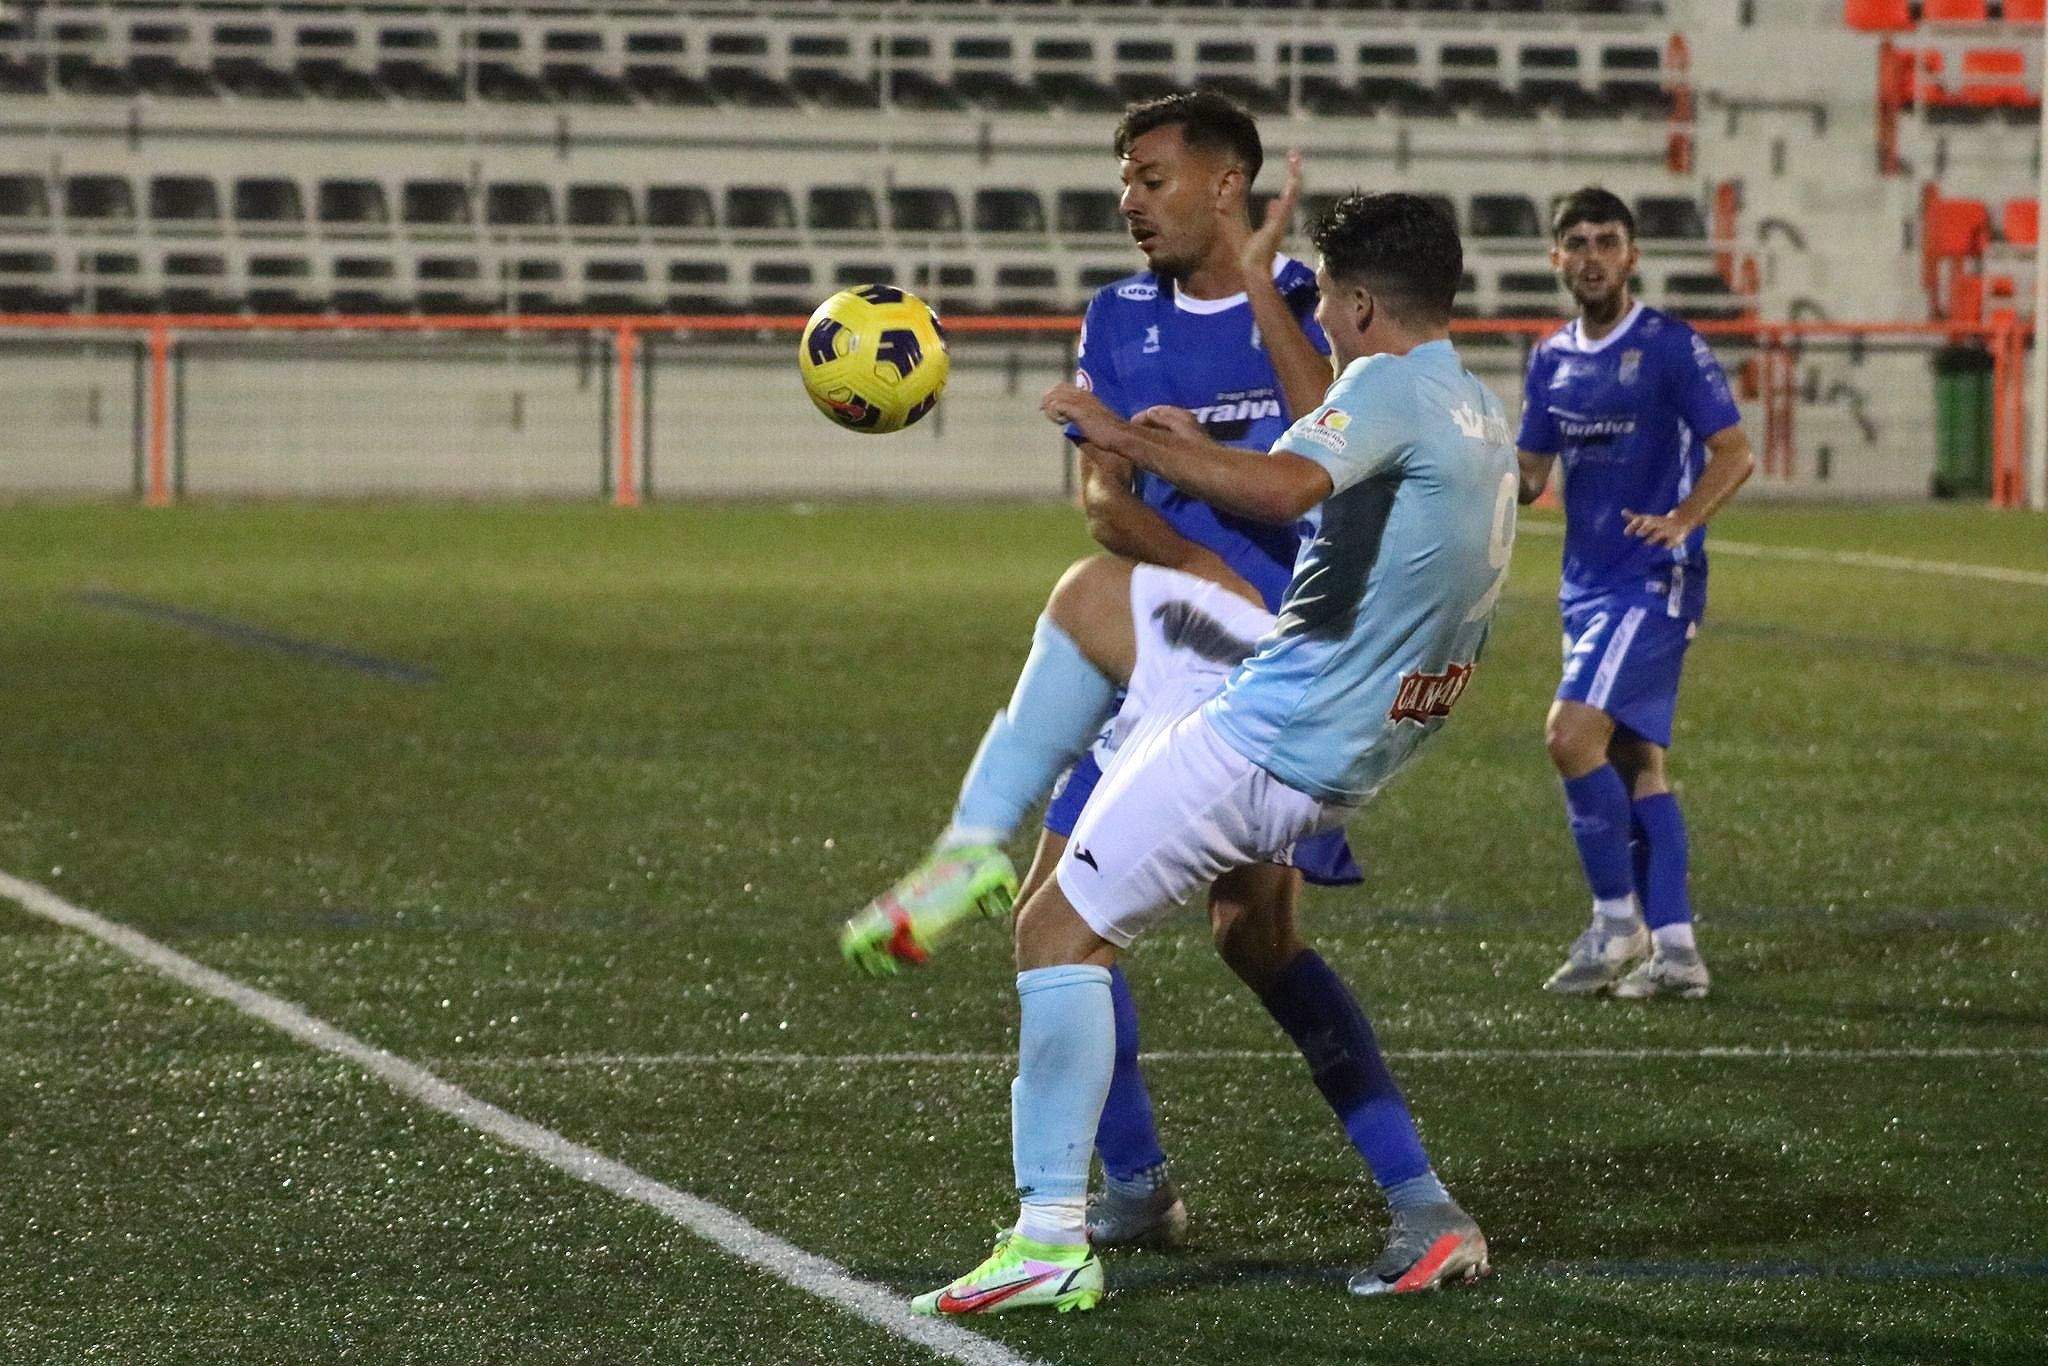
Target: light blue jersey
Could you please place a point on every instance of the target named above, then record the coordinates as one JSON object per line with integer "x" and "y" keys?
{"x": 1393, "y": 594}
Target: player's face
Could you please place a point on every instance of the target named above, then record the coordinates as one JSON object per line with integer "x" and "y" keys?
{"x": 1345, "y": 313}
{"x": 1174, "y": 200}
{"x": 1596, "y": 261}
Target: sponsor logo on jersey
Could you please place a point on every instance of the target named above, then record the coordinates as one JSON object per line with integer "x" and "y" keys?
{"x": 1336, "y": 419}
{"x": 1428, "y": 697}
{"x": 1491, "y": 428}
{"x": 1081, "y": 381}
{"x": 1591, "y": 428}
{"x": 1241, "y": 411}
{"x": 1151, "y": 347}
{"x": 1138, "y": 291}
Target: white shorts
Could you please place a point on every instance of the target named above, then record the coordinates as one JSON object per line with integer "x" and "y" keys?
{"x": 1178, "y": 807}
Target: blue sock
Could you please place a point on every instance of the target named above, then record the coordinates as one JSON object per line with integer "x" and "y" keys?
{"x": 1666, "y": 900}
{"x": 1066, "y": 1050}
{"x": 1598, "y": 805}
{"x": 1126, "y": 1137}
{"x": 1060, "y": 702}
{"x": 1319, "y": 1013}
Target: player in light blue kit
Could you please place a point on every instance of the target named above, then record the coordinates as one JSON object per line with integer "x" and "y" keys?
{"x": 1221, "y": 325}
{"x": 1407, "y": 475}
{"x": 1636, "y": 406}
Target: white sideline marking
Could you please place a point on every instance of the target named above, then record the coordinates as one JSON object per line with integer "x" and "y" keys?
{"x": 785, "y": 1261}
{"x": 1854, "y": 559}
{"x": 1738, "y": 1052}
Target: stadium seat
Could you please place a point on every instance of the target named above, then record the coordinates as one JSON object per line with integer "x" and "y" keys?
{"x": 1134, "y": 87}
{"x": 830, "y": 89}
{"x": 771, "y": 285}
{"x": 106, "y": 199}
{"x": 1880, "y": 16}
{"x": 1525, "y": 293}
{"x": 999, "y": 92}
{"x": 1702, "y": 297}
{"x": 1077, "y": 93}
{"x": 1405, "y": 97}
{"x": 410, "y": 79}
{"x": 759, "y": 208}
{"x": 351, "y": 204}
{"x": 334, "y": 80}
{"x": 667, "y": 87}
{"x": 1954, "y": 11}
{"x": 80, "y": 75}
{"x": 680, "y": 208}
{"x": 269, "y": 201}
{"x": 24, "y": 199}
{"x": 286, "y": 285}
{"x": 2020, "y": 222}
{"x": 616, "y": 285}
{"x": 847, "y": 274}
{"x": 1503, "y": 216}
{"x": 356, "y": 281}
{"x": 519, "y": 204}
{"x": 1487, "y": 98}
{"x": 748, "y": 88}
{"x": 1088, "y": 213}
{"x": 1640, "y": 98}
{"x": 1669, "y": 218}
{"x": 1009, "y": 212}
{"x": 1331, "y": 98}
{"x": 436, "y": 203}
{"x": 595, "y": 206}
{"x": 698, "y": 286}
{"x": 1254, "y": 95}
{"x": 1029, "y": 288}
{"x": 537, "y": 284}
{"x": 502, "y": 83}
{"x": 452, "y": 284}
{"x": 197, "y": 282}
{"x": 249, "y": 79}
{"x": 913, "y": 89}
{"x": 23, "y": 77}
{"x": 168, "y": 78}
{"x": 923, "y": 209}
{"x": 577, "y": 83}
{"x": 842, "y": 210}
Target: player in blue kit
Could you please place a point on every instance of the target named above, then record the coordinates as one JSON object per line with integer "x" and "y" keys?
{"x": 1406, "y": 475}
{"x": 1638, "y": 409}
{"x": 1222, "y": 326}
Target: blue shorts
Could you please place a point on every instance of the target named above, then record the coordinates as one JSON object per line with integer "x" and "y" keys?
{"x": 1624, "y": 658}
{"x": 1324, "y": 859}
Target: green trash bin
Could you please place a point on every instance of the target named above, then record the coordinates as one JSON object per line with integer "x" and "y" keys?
{"x": 1962, "y": 422}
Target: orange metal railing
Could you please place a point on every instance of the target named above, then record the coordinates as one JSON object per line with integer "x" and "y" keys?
{"x": 1773, "y": 375}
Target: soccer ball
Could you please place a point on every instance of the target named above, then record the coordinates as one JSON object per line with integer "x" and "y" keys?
{"x": 873, "y": 358}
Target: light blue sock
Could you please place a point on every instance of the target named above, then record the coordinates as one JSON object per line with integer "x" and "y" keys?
{"x": 1060, "y": 702}
{"x": 1066, "y": 1050}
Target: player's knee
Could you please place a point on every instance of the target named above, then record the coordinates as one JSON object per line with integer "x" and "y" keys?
{"x": 1087, "y": 587}
{"x": 1576, "y": 745}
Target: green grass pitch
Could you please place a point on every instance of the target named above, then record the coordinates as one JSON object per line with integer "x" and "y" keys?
{"x": 592, "y": 872}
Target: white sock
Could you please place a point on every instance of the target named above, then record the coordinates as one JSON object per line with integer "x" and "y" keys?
{"x": 969, "y": 836}
{"x": 1061, "y": 1222}
{"x": 1616, "y": 912}
{"x": 1677, "y": 936}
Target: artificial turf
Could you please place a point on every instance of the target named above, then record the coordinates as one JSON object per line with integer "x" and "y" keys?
{"x": 592, "y": 868}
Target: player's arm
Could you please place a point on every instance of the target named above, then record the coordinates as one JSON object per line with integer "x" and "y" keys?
{"x": 1278, "y": 487}
{"x": 1303, "y": 370}
{"x": 1535, "y": 467}
{"x": 1125, "y": 524}
{"x": 1729, "y": 462}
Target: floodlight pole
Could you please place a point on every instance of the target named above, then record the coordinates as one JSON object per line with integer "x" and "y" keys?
{"x": 2037, "y": 462}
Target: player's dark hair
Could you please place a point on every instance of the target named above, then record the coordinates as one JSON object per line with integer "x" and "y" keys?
{"x": 1207, "y": 120}
{"x": 1401, "y": 247}
{"x": 1591, "y": 204}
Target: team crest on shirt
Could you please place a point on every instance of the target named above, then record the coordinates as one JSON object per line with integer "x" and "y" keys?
{"x": 1151, "y": 346}
{"x": 1428, "y": 697}
{"x": 1081, "y": 381}
{"x": 1631, "y": 365}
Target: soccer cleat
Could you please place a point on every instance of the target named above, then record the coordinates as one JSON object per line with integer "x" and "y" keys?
{"x": 902, "y": 924}
{"x": 1427, "y": 1247}
{"x": 1667, "y": 972}
{"x": 1021, "y": 1274}
{"x": 1598, "y": 957}
{"x": 1157, "y": 1220}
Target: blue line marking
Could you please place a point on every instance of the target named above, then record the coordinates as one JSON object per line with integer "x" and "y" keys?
{"x": 240, "y": 633}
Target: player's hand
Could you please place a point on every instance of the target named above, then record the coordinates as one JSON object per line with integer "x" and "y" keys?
{"x": 1255, "y": 257}
{"x": 1164, "y": 417}
{"x": 1068, "y": 404}
{"x": 1668, "y": 530}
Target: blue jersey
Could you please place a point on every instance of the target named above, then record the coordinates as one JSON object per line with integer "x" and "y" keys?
{"x": 1393, "y": 594}
{"x": 1143, "y": 344}
{"x": 1630, "y": 415}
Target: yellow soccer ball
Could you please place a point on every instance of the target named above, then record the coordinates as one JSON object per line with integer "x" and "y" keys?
{"x": 873, "y": 358}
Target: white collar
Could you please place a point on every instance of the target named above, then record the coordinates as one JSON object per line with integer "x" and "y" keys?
{"x": 1586, "y": 348}
{"x": 1228, "y": 301}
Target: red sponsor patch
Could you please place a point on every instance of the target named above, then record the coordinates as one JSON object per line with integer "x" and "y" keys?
{"x": 1425, "y": 697}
